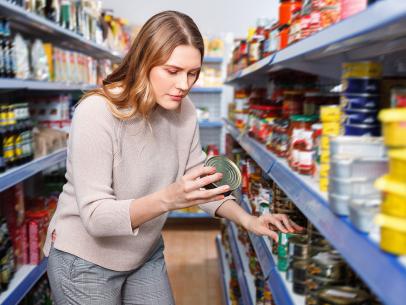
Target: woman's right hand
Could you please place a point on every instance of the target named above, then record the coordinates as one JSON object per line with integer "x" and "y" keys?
{"x": 188, "y": 190}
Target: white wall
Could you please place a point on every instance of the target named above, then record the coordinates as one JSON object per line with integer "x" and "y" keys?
{"x": 211, "y": 16}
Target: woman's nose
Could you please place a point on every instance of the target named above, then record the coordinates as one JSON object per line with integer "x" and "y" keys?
{"x": 182, "y": 83}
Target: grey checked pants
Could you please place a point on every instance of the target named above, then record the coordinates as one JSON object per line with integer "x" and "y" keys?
{"x": 76, "y": 281}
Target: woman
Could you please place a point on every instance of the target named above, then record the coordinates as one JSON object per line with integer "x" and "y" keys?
{"x": 134, "y": 155}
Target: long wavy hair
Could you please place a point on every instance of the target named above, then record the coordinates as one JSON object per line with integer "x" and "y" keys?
{"x": 153, "y": 46}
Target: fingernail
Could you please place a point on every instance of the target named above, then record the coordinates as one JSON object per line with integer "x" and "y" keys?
{"x": 226, "y": 187}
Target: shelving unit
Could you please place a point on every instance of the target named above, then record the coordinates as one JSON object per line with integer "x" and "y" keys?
{"x": 32, "y": 85}
{"x": 245, "y": 279}
{"x": 34, "y": 25}
{"x": 379, "y": 30}
{"x": 383, "y": 272}
{"x": 22, "y": 282}
{"x": 224, "y": 270}
{"x": 25, "y": 171}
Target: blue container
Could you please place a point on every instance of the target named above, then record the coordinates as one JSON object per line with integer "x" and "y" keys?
{"x": 361, "y": 85}
{"x": 361, "y": 116}
{"x": 360, "y": 101}
{"x": 362, "y": 130}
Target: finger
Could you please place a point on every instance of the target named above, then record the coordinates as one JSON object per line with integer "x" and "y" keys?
{"x": 205, "y": 194}
{"x": 277, "y": 223}
{"x": 202, "y": 182}
{"x": 270, "y": 234}
{"x": 286, "y": 221}
{"x": 199, "y": 171}
{"x": 296, "y": 226}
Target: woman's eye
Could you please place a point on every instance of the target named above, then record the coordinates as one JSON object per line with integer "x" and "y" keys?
{"x": 194, "y": 74}
{"x": 172, "y": 72}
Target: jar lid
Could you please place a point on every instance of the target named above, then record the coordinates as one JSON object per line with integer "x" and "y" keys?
{"x": 230, "y": 171}
{"x": 303, "y": 118}
{"x": 343, "y": 295}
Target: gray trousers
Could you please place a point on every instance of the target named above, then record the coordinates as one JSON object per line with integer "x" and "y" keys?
{"x": 76, "y": 281}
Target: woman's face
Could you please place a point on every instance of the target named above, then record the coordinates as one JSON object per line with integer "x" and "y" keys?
{"x": 172, "y": 81}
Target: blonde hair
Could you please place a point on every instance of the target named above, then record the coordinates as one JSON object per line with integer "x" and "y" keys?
{"x": 154, "y": 44}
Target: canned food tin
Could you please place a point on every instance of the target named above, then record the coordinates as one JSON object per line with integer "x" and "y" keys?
{"x": 314, "y": 283}
{"x": 360, "y": 101}
{"x": 325, "y": 142}
{"x": 358, "y": 146}
{"x": 361, "y": 85}
{"x": 299, "y": 287}
{"x": 311, "y": 299}
{"x": 323, "y": 184}
{"x": 300, "y": 270}
{"x": 361, "y": 116}
{"x": 331, "y": 128}
{"x": 362, "y": 130}
{"x": 397, "y": 164}
{"x": 361, "y": 69}
{"x": 230, "y": 171}
{"x": 298, "y": 247}
{"x": 343, "y": 295}
{"x": 328, "y": 265}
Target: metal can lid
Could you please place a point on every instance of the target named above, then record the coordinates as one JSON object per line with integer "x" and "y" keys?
{"x": 343, "y": 295}
{"x": 230, "y": 171}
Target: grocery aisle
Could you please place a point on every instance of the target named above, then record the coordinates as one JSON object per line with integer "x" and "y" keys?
{"x": 192, "y": 263}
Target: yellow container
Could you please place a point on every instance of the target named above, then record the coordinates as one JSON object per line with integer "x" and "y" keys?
{"x": 393, "y": 233}
{"x": 331, "y": 113}
{"x": 394, "y": 126}
{"x": 362, "y": 69}
{"x": 324, "y": 169}
{"x": 397, "y": 164}
{"x": 325, "y": 143}
{"x": 323, "y": 183}
{"x": 325, "y": 157}
{"x": 394, "y": 202}
{"x": 331, "y": 128}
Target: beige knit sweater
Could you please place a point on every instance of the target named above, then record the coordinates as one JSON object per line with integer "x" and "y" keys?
{"x": 110, "y": 163}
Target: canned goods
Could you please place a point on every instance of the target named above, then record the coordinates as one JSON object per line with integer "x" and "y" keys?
{"x": 299, "y": 287}
{"x": 331, "y": 128}
{"x": 361, "y": 116}
{"x": 331, "y": 113}
{"x": 300, "y": 270}
{"x": 311, "y": 299}
{"x": 361, "y": 85}
{"x": 393, "y": 233}
{"x": 394, "y": 126}
{"x": 362, "y": 130}
{"x": 314, "y": 283}
{"x": 230, "y": 171}
{"x": 298, "y": 247}
{"x": 343, "y": 296}
{"x": 394, "y": 203}
{"x": 328, "y": 265}
{"x": 360, "y": 101}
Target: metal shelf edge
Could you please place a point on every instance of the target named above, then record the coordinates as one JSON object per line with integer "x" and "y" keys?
{"x": 222, "y": 267}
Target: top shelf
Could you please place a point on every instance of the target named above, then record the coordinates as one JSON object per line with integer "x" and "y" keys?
{"x": 377, "y": 31}
{"x": 32, "y": 24}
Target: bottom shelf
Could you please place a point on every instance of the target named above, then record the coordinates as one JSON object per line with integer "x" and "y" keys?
{"x": 24, "y": 279}
{"x": 224, "y": 270}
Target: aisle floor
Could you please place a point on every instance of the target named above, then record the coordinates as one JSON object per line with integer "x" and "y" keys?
{"x": 191, "y": 260}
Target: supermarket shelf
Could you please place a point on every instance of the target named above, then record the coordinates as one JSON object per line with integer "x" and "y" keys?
{"x": 281, "y": 289}
{"x": 20, "y": 173}
{"x": 212, "y": 60}
{"x": 224, "y": 270}
{"x": 22, "y": 282}
{"x": 20, "y": 84}
{"x": 206, "y": 90}
{"x": 245, "y": 280}
{"x": 383, "y": 272}
{"x": 355, "y": 38}
{"x": 32, "y": 24}
{"x": 188, "y": 215}
{"x": 211, "y": 124}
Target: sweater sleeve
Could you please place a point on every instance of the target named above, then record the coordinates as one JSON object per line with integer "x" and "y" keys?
{"x": 91, "y": 154}
{"x": 197, "y": 157}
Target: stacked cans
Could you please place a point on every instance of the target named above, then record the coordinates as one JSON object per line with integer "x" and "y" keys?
{"x": 360, "y": 98}
{"x": 330, "y": 117}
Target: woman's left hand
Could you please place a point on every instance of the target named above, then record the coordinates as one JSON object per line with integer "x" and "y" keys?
{"x": 264, "y": 225}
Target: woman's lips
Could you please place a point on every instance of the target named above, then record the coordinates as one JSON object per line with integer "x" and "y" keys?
{"x": 176, "y": 98}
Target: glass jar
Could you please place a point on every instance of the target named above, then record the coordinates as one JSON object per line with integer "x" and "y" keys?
{"x": 301, "y": 143}
{"x": 292, "y": 103}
